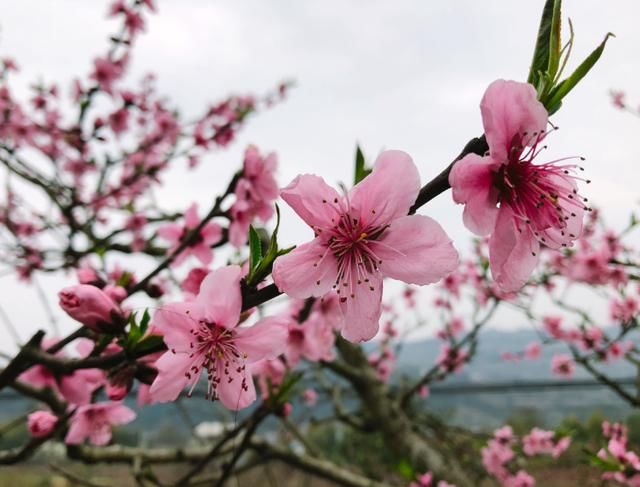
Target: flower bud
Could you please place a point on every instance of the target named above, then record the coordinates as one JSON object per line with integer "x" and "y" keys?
{"x": 41, "y": 423}
{"x": 91, "y": 307}
{"x": 116, "y": 392}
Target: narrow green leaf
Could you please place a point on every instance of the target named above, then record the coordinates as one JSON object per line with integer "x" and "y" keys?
{"x": 263, "y": 266}
{"x": 255, "y": 249}
{"x": 554, "y": 99}
{"x": 541, "y": 53}
{"x": 361, "y": 171}
{"x": 554, "y": 40}
{"x": 273, "y": 247}
{"x": 144, "y": 323}
{"x": 150, "y": 342}
{"x": 286, "y": 251}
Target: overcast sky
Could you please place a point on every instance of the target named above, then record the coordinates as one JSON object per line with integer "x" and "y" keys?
{"x": 387, "y": 74}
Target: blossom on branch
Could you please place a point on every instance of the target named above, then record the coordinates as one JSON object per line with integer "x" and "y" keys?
{"x": 521, "y": 205}
{"x": 94, "y": 422}
{"x": 360, "y": 238}
{"x": 204, "y": 334}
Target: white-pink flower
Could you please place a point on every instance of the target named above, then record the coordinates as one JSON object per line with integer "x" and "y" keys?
{"x": 94, "y": 421}
{"x": 522, "y": 205}
{"x": 200, "y": 247}
{"x": 204, "y": 335}
{"x": 360, "y": 238}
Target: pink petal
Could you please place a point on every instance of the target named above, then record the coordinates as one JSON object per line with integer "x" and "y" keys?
{"x": 415, "y": 249}
{"x": 556, "y": 236}
{"x": 120, "y": 414}
{"x": 221, "y": 297}
{"x": 362, "y": 312}
{"x": 232, "y": 395}
{"x": 304, "y": 272}
{"x": 510, "y": 108}
{"x": 238, "y": 231}
{"x": 265, "y": 340}
{"x": 203, "y": 253}
{"x": 512, "y": 255}
{"x": 78, "y": 387}
{"x": 175, "y": 321}
{"x": 170, "y": 232}
{"x": 100, "y": 436}
{"x": 471, "y": 180}
{"x": 313, "y": 200}
{"x": 191, "y": 218}
{"x": 389, "y": 191}
{"x": 78, "y": 430}
{"x": 171, "y": 378}
{"x": 211, "y": 233}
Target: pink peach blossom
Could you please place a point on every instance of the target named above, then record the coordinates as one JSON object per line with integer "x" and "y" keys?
{"x": 562, "y": 365}
{"x": 204, "y": 335}
{"x": 255, "y": 191}
{"x": 533, "y": 350}
{"x": 270, "y": 373}
{"x": 521, "y": 205}
{"x": 360, "y": 238}
{"x": 310, "y": 397}
{"x": 76, "y": 388}
{"x": 94, "y": 422}
{"x": 312, "y": 340}
{"x": 200, "y": 248}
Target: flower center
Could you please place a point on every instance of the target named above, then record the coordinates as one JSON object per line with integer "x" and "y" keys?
{"x": 350, "y": 243}
{"x": 213, "y": 348}
{"x": 543, "y": 197}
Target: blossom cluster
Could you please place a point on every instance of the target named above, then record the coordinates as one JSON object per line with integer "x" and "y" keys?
{"x": 500, "y": 454}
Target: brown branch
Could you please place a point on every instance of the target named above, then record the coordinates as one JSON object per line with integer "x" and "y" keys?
{"x": 127, "y": 454}
{"x": 436, "y": 373}
{"x": 440, "y": 183}
{"x": 20, "y": 361}
{"x": 255, "y": 419}
{"x": 189, "y": 239}
{"x": 75, "y": 478}
{"x": 599, "y": 376}
{"x": 320, "y": 468}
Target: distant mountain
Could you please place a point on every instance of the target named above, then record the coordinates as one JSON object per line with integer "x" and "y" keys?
{"x": 481, "y": 410}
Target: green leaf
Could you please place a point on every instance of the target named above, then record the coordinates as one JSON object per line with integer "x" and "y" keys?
{"x": 144, "y": 323}
{"x": 255, "y": 249}
{"x": 554, "y": 100}
{"x": 554, "y": 40}
{"x": 546, "y": 54}
{"x": 262, "y": 268}
{"x": 147, "y": 344}
{"x": 361, "y": 171}
{"x": 124, "y": 279}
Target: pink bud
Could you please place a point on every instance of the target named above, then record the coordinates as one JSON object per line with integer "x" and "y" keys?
{"x": 310, "y": 397}
{"x": 287, "y": 408}
{"x": 91, "y": 307}
{"x": 116, "y": 392}
{"x": 41, "y": 423}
